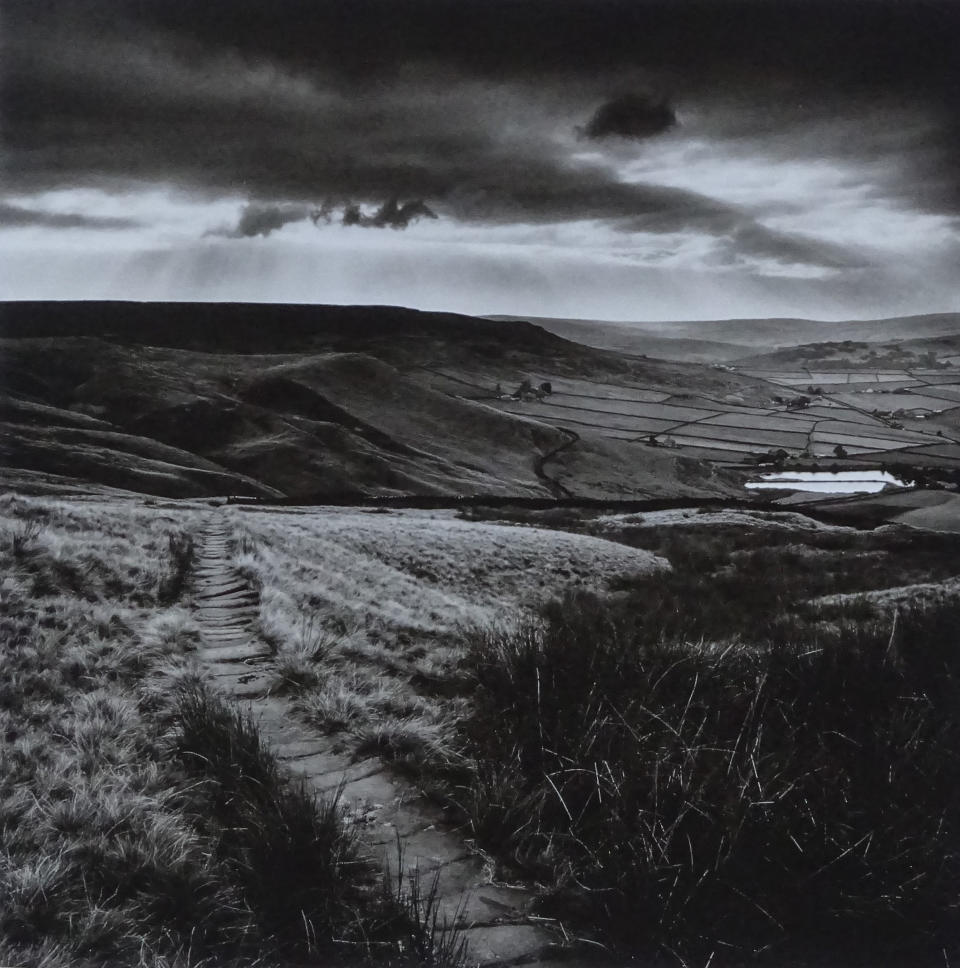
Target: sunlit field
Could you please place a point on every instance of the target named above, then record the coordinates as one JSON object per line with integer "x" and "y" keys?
{"x": 368, "y": 610}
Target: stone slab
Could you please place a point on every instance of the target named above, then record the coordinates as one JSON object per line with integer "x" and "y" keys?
{"x": 226, "y": 619}
{"x": 229, "y": 640}
{"x": 426, "y": 850}
{"x": 300, "y": 747}
{"x": 225, "y": 578}
{"x": 405, "y": 817}
{"x": 370, "y": 791}
{"x": 488, "y": 905}
{"x": 506, "y": 945}
{"x": 321, "y": 766}
{"x": 244, "y": 686}
{"x": 236, "y": 669}
{"x": 455, "y": 875}
{"x": 334, "y": 776}
{"x": 225, "y": 593}
{"x": 224, "y": 602}
{"x": 238, "y": 651}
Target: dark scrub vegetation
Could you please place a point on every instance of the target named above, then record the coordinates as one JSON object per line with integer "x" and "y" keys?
{"x": 706, "y": 766}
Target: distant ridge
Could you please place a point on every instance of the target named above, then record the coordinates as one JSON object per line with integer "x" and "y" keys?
{"x": 743, "y": 334}
{"x": 253, "y": 327}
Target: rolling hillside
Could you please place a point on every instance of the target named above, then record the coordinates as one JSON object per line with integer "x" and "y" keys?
{"x": 306, "y": 402}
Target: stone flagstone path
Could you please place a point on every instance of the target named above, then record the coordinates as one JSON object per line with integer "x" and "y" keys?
{"x": 496, "y": 919}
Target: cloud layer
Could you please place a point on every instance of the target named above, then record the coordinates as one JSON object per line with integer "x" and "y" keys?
{"x": 454, "y": 117}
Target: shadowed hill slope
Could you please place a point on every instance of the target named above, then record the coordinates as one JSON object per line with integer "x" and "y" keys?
{"x": 186, "y": 399}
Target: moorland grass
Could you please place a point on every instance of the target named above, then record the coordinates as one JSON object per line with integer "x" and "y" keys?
{"x": 299, "y": 868}
{"x": 101, "y": 860}
{"x": 364, "y": 612}
{"x": 738, "y": 798}
{"x": 704, "y": 763}
{"x": 142, "y": 820}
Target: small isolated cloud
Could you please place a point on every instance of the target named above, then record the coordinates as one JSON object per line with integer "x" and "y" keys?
{"x": 632, "y": 115}
{"x": 390, "y": 215}
{"x": 261, "y": 219}
{"x": 15, "y": 216}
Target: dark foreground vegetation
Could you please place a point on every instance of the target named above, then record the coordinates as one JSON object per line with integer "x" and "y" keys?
{"x": 708, "y": 769}
{"x": 142, "y": 820}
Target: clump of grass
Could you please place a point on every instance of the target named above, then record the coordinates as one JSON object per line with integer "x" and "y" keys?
{"x": 415, "y": 744}
{"x": 793, "y": 798}
{"x": 24, "y": 536}
{"x": 296, "y": 860}
{"x": 384, "y": 717}
{"x": 412, "y": 910}
{"x": 298, "y": 863}
{"x": 179, "y": 560}
{"x": 297, "y": 662}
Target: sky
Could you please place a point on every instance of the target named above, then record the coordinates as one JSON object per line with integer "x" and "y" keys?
{"x": 608, "y": 159}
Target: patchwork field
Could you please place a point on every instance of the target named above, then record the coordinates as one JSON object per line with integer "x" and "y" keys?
{"x": 732, "y": 430}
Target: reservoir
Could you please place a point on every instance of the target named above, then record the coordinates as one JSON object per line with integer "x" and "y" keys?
{"x": 826, "y": 482}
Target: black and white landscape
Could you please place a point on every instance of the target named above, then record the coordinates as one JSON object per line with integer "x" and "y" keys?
{"x": 480, "y": 483}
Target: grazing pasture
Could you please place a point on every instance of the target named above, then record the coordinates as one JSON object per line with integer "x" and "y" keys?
{"x": 852, "y": 410}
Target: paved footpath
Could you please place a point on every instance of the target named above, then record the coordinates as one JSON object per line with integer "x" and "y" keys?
{"x": 496, "y": 919}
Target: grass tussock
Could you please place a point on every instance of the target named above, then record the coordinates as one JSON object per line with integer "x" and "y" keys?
{"x": 298, "y": 864}
{"x": 296, "y": 860}
{"x": 23, "y": 535}
{"x": 300, "y": 652}
{"x": 799, "y": 797}
{"x": 178, "y": 561}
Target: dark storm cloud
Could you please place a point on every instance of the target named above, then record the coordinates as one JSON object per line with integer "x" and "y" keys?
{"x": 14, "y": 216}
{"x": 633, "y": 116}
{"x": 456, "y": 102}
{"x": 865, "y": 43}
{"x": 391, "y": 214}
{"x": 261, "y": 219}
{"x": 562, "y": 196}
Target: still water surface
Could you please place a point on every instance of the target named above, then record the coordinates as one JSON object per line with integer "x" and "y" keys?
{"x": 840, "y": 482}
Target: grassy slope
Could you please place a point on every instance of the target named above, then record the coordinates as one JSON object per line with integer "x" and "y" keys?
{"x": 365, "y": 608}
{"x": 707, "y": 766}
{"x": 661, "y": 750}
{"x": 225, "y": 414}
{"x": 142, "y": 822}
{"x": 207, "y": 399}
